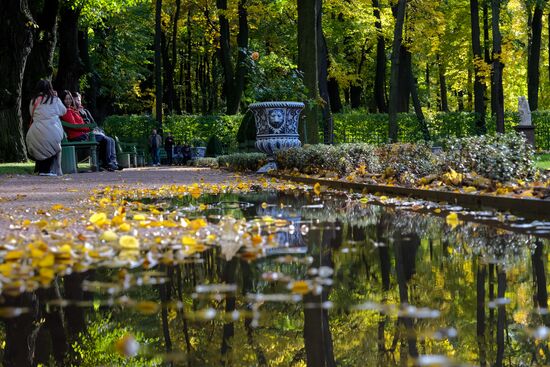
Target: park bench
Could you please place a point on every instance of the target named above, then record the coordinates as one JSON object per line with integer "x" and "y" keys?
{"x": 82, "y": 149}
{"x": 128, "y": 154}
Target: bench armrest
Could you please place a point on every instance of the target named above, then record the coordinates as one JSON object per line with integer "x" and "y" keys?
{"x": 78, "y": 126}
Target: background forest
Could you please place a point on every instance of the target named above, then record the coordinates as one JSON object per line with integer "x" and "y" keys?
{"x": 216, "y": 57}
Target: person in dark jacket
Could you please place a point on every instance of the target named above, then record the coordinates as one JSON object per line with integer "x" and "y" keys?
{"x": 168, "y": 147}
{"x": 155, "y": 143}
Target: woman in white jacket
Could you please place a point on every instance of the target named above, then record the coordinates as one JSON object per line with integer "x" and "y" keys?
{"x": 46, "y": 132}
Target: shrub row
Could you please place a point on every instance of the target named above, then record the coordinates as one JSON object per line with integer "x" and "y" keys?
{"x": 498, "y": 157}
{"x": 189, "y": 129}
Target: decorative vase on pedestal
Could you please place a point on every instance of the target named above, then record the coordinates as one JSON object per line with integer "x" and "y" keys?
{"x": 276, "y": 128}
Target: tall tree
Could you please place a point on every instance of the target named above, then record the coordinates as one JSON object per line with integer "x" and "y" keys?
{"x": 479, "y": 87}
{"x": 308, "y": 64}
{"x": 533, "y": 58}
{"x": 158, "y": 66}
{"x": 234, "y": 76}
{"x": 323, "y": 58}
{"x": 395, "y": 82}
{"x": 16, "y": 40}
{"x": 70, "y": 67}
{"x": 498, "y": 94}
{"x": 380, "y": 75}
{"x": 40, "y": 61}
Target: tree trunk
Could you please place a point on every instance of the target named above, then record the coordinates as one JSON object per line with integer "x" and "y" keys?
{"x": 498, "y": 93}
{"x": 168, "y": 80}
{"x": 405, "y": 68}
{"x": 158, "y": 66}
{"x": 480, "y": 313}
{"x": 40, "y": 61}
{"x": 395, "y": 85}
{"x": 16, "y": 41}
{"x": 188, "y": 85}
{"x": 308, "y": 64}
{"x": 334, "y": 95}
{"x": 322, "y": 57}
{"x": 70, "y": 67}
{"x": 177, "y": 106}
{"x": 533, "y": 58}
{"x": 501, "y": 315}
{"x": 380, "y": 76}
{"x": 444, "y": 105}
{"x": 418, "y": 108}
{"x": 234, "y": 79}
{"x": 428, "y": 86}
{"x": 479, "y": 88}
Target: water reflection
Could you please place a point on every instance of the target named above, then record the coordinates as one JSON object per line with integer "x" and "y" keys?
{"x": 349, "y": 284}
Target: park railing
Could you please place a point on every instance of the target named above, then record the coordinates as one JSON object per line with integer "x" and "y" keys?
{"x": 361, "y": 126}
{"x": 350, "y": 127}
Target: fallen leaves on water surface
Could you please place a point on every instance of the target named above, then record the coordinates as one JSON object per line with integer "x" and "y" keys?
{"x": 121, "y": 227}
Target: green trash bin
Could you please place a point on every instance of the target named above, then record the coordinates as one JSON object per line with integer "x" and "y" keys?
{"x": 68, "y": 159}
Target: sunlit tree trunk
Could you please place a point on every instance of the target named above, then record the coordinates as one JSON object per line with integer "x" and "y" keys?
{"x": 501, "y": 317}
{"x": 479, "y": 88}
{"x": 498, "y": 93}
{"x": 16, "y": 41}
{"x": 395, "y": 83}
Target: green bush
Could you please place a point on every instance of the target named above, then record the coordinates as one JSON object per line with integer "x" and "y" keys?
{"x": 204, "y": 162}
{"x": 242, "y": 161}
{"x": 500, "y": 157}
{"x": 184, "y": 128}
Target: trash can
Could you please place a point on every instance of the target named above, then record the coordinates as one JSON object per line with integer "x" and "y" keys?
{"x": 68, "y": 159}
{"x": 123, "y": 160}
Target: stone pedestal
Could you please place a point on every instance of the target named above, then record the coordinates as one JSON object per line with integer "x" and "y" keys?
{"x": 529, "y": 132}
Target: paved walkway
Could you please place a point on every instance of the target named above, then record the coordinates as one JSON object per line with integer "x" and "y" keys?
{"x": 21, "y": 192}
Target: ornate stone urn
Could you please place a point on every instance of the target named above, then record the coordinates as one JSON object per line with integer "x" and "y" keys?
{"x": 276, "y": 128}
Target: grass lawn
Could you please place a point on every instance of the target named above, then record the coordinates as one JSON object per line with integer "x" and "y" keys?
{"x": 543, "y": 161}
{"x": 17, "y": 168}
{"x": 27, "y": 168}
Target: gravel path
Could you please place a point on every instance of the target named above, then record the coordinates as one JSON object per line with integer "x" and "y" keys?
{"x": 23, "y": 192}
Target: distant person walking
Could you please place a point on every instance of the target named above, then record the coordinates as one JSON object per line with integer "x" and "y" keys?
{"x": 168, "y": 147}
{"x": 46, "y": 132}
{"x": 155, "y": 142}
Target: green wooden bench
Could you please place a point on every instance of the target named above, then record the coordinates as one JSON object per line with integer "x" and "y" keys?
{"x": 79, "y": 146}
{"x": 128, "y": 154}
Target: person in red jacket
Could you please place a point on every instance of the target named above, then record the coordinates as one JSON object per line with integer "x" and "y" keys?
{"x": 73, "y": 117}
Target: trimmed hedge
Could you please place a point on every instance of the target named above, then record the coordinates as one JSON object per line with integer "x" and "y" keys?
{"x": 190, "y": 129}
{"x": 359, "y": 126}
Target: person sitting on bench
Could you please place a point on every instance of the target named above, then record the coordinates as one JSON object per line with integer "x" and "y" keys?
{"x": 45, "y": 133}
{"x": 106, "y": 143}
{"x": 81, "y": 134}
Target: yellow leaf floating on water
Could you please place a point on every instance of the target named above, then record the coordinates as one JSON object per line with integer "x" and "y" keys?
{"x": 128, "y": 242}
{"x": 317, "y": 189}
{"x": 469, "y": 189}
{"x": 264, "y": 205}
{"x": 452, "y": 220}
{"x": 127, "y": 346}
{"x": 197, "y": 223}
{"x": 139, "y": 217}
{"x": 108, "y": 236}
{"x": 437, "y": 210}
{"x": 98, "y": 219}
{"x": 57, "y": 207}
{"x": 299, "y": 287}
